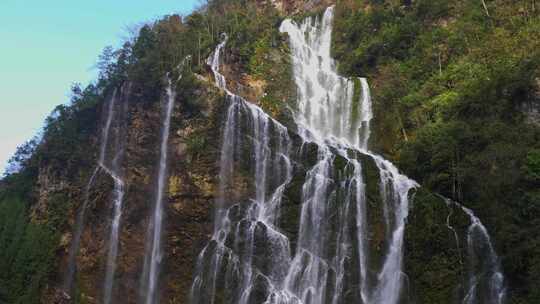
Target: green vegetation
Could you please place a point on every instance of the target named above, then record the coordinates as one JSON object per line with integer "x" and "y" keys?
{"x": 432, "y": 256}
{"x": 29, "y": 237}
{"x": 257, "y": 48}
{"x": 31, "y": 222}
{"x": 28, "y": 252}
{"x": 271, "y": 64}
{"x": 196, "y": 143}
{"x": 449, "y": 82}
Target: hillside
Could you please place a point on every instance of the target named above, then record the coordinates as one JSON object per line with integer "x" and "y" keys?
{"x": 290, "y": 152}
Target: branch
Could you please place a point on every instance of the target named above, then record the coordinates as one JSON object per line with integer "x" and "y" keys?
{"x": 485, "y": 7}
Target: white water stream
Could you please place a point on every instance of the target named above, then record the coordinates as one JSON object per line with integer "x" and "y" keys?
{"x": 327, "y": 115}
{"x": 116, "y": 172}
{"x": 154, "y": 247}
{"x": 118, "y": 193}
{"x": 485, "y": 280}
{"x": 248, "y": 259}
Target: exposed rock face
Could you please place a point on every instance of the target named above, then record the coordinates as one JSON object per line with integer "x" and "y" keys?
{"x": 435, "y": 256}
{"x": 531, "y": 108}
{"x": 48, "y": 184}
{"x": 435, "y": 233}
{"x": 191, "y": 186}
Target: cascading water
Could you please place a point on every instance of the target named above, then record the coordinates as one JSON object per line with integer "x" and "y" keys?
{"x": 316, "y": 274}
{"x": 325, "y": 100}
{"x": 116, "y": 172}
{"x": 69, "y": 276}
{"x": 241, "y": 228}
{"x": 395, "y": 188}
{"x": 79, "y": 224}
{"x": 248, "y": 258}
{"x": 154, "y": 250}
{"x": 485, "y": 280}
{"x": 118, "y": 193}
{"x": 328, "y": 115}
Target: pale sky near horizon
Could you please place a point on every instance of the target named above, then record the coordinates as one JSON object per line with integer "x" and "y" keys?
{"x": 45, "y": 46}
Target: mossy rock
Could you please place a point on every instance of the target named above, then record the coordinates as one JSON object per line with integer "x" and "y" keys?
{"x": 433, "y": 258}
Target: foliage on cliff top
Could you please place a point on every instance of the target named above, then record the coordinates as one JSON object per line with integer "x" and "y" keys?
{"x": 450, "y": 81}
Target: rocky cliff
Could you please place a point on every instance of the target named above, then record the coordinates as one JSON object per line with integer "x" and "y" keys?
{"x": 65, "y": 183}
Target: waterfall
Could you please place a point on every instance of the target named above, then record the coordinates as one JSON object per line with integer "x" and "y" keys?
{"x": 308, "y": 275}
{"x": 116, "y": 172}
{"x": 484, "y": 269}
{"x": 326, "y": 109}
{"x": 249, "y": 259}
{"x": 366, "y": 114}
{"x": 485, "y": 280}
{"x": 248, "y": 225}
{"x": 69, "y": 275}
{"x": 213, "y": 62}
{"x": 118, "y": 194}
{"x": 154, "y": 250}
{"x": 394, "y": 188}
{"x": 327, "y": 115}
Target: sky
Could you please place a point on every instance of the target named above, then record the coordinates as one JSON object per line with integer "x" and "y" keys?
{"x": 46, "y": 46}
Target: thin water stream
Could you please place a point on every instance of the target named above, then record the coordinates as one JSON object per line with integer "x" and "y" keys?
{"x": 154, "y": 247}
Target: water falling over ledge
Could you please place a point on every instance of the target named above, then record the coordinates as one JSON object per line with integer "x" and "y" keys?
{"x": 149, "y": 292}
{"x": 109, "y": 161}
{"x": 117, "y": 174}
{"x": 485, "y": 281}
{"x": 249, "y": 222}
{"x": 334, "y": 257}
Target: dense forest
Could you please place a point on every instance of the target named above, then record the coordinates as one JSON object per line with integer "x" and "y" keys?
{"x": 455, "y": 87}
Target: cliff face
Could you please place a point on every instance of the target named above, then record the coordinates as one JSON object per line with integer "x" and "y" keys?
{"x": 194, "y": 147}
{"x": 447, "y": 254}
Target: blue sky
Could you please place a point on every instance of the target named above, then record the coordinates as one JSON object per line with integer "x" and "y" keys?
{"x": 45, "y": 46}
